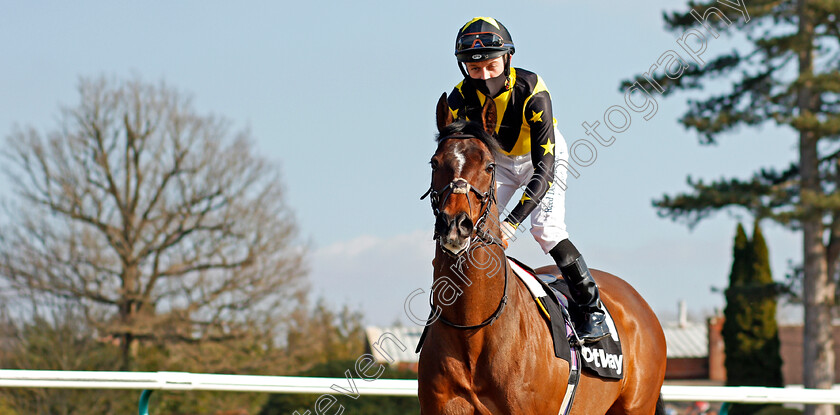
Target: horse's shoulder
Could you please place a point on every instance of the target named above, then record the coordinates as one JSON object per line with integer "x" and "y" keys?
{"x": 458, "y": 406}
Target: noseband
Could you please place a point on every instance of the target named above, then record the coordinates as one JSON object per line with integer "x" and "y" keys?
{"x": 438, "y": 198}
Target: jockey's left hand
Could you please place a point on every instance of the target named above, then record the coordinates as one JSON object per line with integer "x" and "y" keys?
{"x": 508, "y": 232}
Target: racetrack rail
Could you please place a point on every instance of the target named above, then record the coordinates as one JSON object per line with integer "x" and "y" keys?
{"x": 181, "y": 381}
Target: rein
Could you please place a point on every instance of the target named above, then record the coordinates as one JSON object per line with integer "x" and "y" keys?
{"x": 461, "y": 186}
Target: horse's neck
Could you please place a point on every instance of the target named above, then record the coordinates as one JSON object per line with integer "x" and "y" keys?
{"x": 469, "y": 288}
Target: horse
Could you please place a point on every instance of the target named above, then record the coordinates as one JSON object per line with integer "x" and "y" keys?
{"x": 487, "y": 349}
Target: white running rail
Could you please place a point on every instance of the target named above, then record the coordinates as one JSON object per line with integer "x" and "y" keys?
{"x": 336, "y": 386}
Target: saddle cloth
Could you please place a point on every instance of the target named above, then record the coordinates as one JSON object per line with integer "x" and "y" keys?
{"x": 604, "y": 357}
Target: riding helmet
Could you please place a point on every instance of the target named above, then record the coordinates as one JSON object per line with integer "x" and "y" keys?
{"x": 482, "y": 38}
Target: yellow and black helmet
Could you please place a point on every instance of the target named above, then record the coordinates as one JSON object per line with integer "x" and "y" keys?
{"x": 483, "y": 38}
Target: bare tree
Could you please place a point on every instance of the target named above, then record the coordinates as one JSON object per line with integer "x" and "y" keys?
{"x": 166, "y": 224}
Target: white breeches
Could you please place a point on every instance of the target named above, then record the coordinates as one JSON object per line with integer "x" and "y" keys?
{"x": 548, "y": 220}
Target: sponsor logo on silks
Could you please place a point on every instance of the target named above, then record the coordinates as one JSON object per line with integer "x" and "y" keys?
{"x": 547, "y": 203}
{"x": 602, "y": 359}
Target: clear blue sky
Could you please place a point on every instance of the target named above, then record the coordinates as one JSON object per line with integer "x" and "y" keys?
{"x": 342, "y": 96}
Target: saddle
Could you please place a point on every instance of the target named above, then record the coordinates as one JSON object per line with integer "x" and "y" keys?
{"x": 551, "y": 295}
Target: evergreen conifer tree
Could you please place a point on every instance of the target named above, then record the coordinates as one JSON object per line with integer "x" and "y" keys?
{"x": 750, "y": 332}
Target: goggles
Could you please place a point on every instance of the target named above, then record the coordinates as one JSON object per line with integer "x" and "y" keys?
{"x": 479, "y": 40}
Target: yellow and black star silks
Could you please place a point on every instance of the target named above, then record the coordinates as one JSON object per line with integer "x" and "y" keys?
{"x": 526, "y": 127}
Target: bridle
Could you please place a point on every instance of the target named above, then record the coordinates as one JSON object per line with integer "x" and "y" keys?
{"x": 438, "y": 198}
{"x": 462, "y": 186}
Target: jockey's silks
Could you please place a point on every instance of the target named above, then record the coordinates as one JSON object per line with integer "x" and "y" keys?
{"x": 526, "y": 126}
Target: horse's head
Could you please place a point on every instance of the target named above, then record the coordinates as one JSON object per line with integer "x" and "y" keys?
{"x": 463, "y": 178}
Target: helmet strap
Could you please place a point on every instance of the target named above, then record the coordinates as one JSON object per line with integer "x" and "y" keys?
{"x": 507, "y": 57}
{"x": 462, "y": 66}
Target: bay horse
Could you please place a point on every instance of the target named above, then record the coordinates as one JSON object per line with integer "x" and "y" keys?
{"x": 488, "y": 350}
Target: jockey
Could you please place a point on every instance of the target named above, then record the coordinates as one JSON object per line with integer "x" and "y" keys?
{"x": 531, "y": 147}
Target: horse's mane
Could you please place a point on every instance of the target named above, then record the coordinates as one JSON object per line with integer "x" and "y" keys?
{"x": 465, "y": 129}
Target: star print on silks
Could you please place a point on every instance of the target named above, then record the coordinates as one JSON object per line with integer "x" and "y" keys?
{"x": 524, "y": 199}
{"x": 536, "y": 116}
{"x": 549, "y": 147}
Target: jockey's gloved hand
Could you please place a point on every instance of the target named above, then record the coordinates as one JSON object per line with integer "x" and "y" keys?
{"x": 508, "y": 231}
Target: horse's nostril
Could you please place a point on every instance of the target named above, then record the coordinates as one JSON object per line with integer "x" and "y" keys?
{"x": 465, "y": 225}
{"x": 442, "y": 224}
{"x": 459, "y": 227}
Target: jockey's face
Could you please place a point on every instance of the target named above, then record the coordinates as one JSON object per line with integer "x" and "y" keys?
{"x": 490, "y": 68}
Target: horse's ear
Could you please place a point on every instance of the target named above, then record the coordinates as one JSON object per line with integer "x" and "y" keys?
{"x": 488, "y": 116}
{"x": 444, "y": 116}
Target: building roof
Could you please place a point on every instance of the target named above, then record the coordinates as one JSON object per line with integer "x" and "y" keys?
{"x": 391, "y": 341}
{"x": 686, "y": 340}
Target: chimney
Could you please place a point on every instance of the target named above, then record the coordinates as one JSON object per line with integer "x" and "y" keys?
{"x": 717, "y": 355}
{"x": 683, "y": 314}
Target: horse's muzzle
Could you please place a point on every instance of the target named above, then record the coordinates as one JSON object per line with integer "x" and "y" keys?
{"x": 454, "y": 233}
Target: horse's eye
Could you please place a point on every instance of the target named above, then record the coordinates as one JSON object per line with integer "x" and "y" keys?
{"x": 490, "y": 167}
{"x": 434, "y": 164}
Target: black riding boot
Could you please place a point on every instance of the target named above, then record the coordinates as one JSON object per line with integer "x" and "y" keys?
{"x": 591, "y": 326}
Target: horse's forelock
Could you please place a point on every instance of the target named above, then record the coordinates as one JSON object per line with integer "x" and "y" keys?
{"x": 470, "y": 129}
